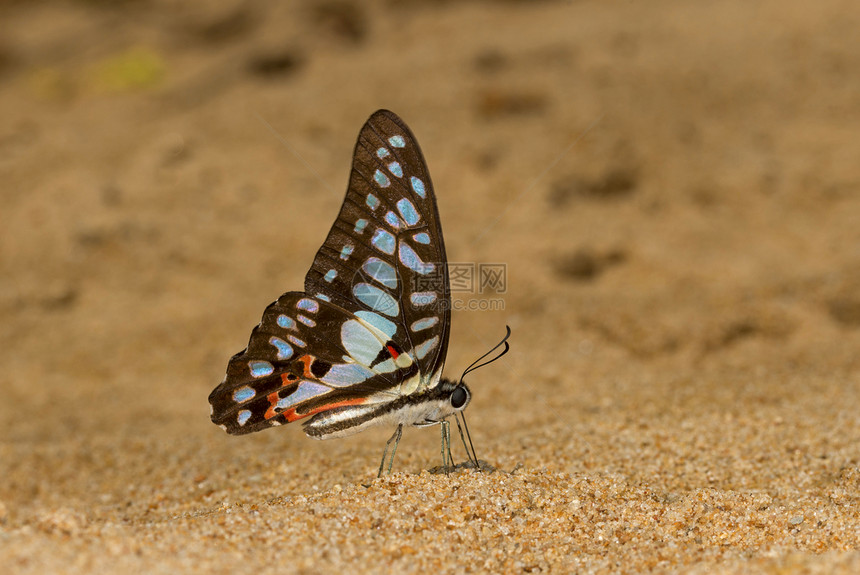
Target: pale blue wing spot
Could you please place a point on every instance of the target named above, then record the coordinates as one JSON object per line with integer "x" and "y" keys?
{"x": 424, "y": 323}
{"x": 389, "y": 328}
{"x": 359, "y": 342}
{"x": 423, "y": 349}
{"x": 376, "y": 299}
{"x": 285, "y": 351}
{"x": 383, "y": 241}
{"x": 422, "y": 238}
{"x": 382, "y": 153}
{"x": 243, "y": 394}
{"x": 360, "y": 225}
{"x": 306, "y": 320}
{"x": 305, "y": 390}
{"x": 418, "y": 186}
{"x": 323, "y": 297}
{"x": 394, "y": 168}
{"x": 308, "y": 305}
{"x": 381, "y": 179}
{"x": 346, "y": 251}
{"x": 371, "y": 201}
{"x": 381, "y": 271}
{"x": 286, "y": 322}
{"x": 397, "y": 141}
{"x": 243, "y": 417}
{"x": 342, "y": 374}
{"x": 422, "y": 298}
{"x": 411, "y": 260}
{"x": 408, "y": 212}
{"x": 330, "y": 275}
{"x": 261, "y": 368}
{"x": 387, "y": 366}
{"x": 392, "y": 220}
{"x": 296, "y": 341}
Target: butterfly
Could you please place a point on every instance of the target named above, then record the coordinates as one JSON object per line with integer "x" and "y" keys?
{"x": 364, "y": 344}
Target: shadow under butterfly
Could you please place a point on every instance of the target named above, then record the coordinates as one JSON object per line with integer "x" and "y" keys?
{"x": 365, "y": 343}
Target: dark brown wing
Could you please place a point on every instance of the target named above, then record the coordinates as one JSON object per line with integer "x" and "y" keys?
{"x": 374, "y": 321}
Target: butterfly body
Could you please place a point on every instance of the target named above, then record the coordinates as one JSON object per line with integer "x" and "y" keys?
{"x": 427, "y": 407}
{"x": 366, "y": 341}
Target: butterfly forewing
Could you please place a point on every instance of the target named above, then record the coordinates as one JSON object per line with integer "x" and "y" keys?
{"x": 385, "y": 254}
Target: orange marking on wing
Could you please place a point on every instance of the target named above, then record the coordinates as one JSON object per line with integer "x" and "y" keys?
{"x": 308, "y": 360}
{"x": 393, "y": 352}
{"x": 273, "y": 401}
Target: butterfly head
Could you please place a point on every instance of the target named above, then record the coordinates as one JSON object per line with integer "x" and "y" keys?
{"x": 461, "y": 396}
{"x": 457, "y": 394}
{"x": 453, "y": 397}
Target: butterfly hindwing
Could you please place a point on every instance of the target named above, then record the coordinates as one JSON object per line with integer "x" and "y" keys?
{"x": 385, "y": 252}
{"x": 306, "y": 356}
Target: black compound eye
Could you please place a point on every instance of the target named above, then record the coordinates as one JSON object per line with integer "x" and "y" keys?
{"x": 459, "y": 397}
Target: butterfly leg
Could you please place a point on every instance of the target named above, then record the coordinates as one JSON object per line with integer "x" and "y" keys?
{"x": 447, "y": 458}
{"x": 396, "y": 439}
{"x": 470, "y": 455}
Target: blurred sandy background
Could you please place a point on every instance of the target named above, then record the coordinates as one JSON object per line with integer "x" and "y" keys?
{"x": 674, "y": 187}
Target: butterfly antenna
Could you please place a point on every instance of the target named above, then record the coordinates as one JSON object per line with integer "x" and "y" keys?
{"x": 504, "y": 342}
{"x": 470, "y": 448}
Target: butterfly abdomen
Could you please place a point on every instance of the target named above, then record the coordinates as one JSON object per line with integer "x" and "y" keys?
{"x": 427, "y": 407}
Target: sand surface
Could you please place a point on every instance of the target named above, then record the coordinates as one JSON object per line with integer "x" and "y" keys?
{"x": 673, "y": 186}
